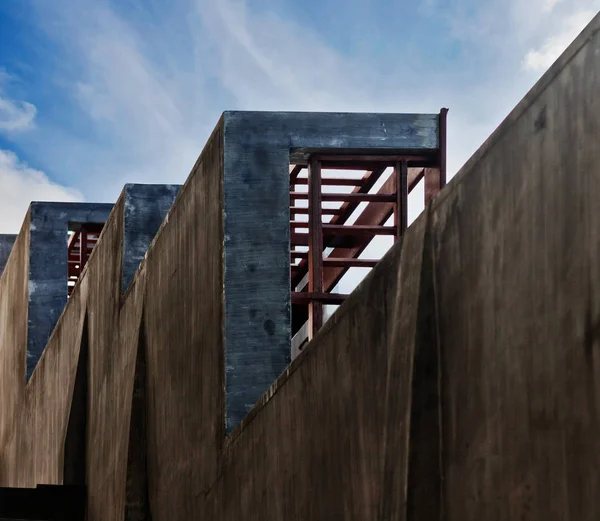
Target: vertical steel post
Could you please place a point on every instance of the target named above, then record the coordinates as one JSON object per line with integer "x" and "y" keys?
{"x": 435, "y": 178}
{"x": 315, "y": 246}
{"x": 443, "y": 145}
{"x": 82, "y": 248}
{"x": 401, "y": 206}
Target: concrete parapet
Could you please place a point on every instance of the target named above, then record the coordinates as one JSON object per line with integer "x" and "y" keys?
{"x": 6, "y": 244}
{"x": 48, "y": 266}
{"x": 145, "y": 208}
{"x": 258, "y": 149}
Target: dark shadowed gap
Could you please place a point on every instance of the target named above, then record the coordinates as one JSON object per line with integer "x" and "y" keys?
{"x": 136, "y": 497}
{"x": 411, "y": 475}
{"x": 424, "y": 477}
{"x": 75, "y": 450}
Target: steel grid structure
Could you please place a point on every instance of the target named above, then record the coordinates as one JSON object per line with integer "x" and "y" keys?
{"x": 79, "y": 248}
{"x": 315, "y": 272}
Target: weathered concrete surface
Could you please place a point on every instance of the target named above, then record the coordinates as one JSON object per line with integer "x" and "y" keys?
{"x": 258, "y": 148}
{"x": 460, "y": 380}
{"x": 517, "y": 250}
{"x": 13, "y": 345}
{"x": 6, "y": 244}
{"x": 48, "y": 266}
{"x": 146, "y": 206}
{"x": 183, "y": 332}
{"x": 313, "y": 446}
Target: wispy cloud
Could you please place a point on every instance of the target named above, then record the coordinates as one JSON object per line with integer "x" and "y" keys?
{"x": 144, "y": 86}
{"x": 15, "y": 116}
{"x": 270, "y": 63}
{"x": 19, "y": 183}
{"x": 22, "y": 184}
{"x": 540, "y": 58}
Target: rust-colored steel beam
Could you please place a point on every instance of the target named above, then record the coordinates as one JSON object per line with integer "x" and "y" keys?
{"x": 356, "y": 161}
{"x": 306, "y": 297}
{"x": 81, "y": 243}
{"x": 72, "y": 240}
{"x": 373, "y": 213}
{"x": 358, "y": 230}
{"x": 83, "y": 248}
{"x": 349, "y": 197}
{"x": 338, "y": 262}
{"x": 333, "y": 241}
{"x": 332, "y": 181}
{"x": 425, "y": 163}
{"x": 347, "y": 208}
{"x": 443, "y": 145}
{"x": 315, "y": 247}
{"x": 324, "y": 211}
{"x": 294, "y": 173}
{"x": 435, "y": 177}
{"x": 432, "y": 184}
{"x": 401, "y": 210}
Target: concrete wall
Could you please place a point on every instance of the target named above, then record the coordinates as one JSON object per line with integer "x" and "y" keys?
{"x": 6, "y": 244}
{"x": 258, "y": 149}
{"x": 48, "y": 266}
{"x": 460, "y": 379}
{"x": 13, "y": 346}
{"x": 517, "y": 251}
{"x": 145, "y": 208}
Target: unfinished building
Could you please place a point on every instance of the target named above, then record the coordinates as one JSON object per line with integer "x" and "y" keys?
{"x": 460, "y": 379}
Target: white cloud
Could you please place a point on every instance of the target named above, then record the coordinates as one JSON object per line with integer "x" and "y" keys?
{"x": 271, "y": 63}
{"x": 15, "y": 116}
{"x": 150, "y": 87}
{"x": 549, "y": 5}
{"x": 543, "y": 56}
{"x": 21, "y": 184}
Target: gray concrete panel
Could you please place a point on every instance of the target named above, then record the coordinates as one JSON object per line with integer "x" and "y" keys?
{"x": 146, "y": 206}
{"x": 48, "y": 267}
{"x": 258, "y": 148}
{"x": 6, "y": 244}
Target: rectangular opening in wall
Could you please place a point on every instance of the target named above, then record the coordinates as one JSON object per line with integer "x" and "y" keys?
{"x": 82, "y": 238}
{"x": 346, "y": 212}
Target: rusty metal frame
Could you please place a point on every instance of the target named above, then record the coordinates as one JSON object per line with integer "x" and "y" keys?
{"x": 349, "y": 241}
{"x": 79, "y": 247}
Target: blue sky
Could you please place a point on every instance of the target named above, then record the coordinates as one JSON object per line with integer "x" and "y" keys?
{"x": 96, "y": 93}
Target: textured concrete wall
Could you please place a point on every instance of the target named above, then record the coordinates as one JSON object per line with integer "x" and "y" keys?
{"x": 312, "y": 448}
{"x": 146, "y": 206}
{"x": 460, "y": 380}
{"x": 48, "y": 266}
{"x": 6, "y": 244}
{"x": 13, "y": 346}
{"x": 517, "y": 250}
{"x": 258, "y": 148}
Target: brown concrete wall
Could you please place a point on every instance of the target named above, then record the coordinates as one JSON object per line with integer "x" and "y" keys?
{"x": 13, "y": 333}
{"x": 460, "y": 380}
{"x": 517, "y": 256}
{"x": 181, "y": 342}
{"x": 314, "y": 447}
{"x": 183, "y": 330}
